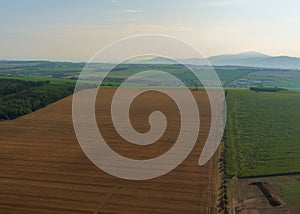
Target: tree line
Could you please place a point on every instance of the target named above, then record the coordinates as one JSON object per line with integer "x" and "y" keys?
{"x": 19, "y": 97}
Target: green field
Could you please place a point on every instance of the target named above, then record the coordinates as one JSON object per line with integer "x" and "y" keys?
{"x": 288, "y": 188}
{"x": 32, "y": 70}
{"x": 262, "y": 133}
{"x": 39, "y": 78}
{"x": 226, "y": 73}
{"x": 230, "y": 76}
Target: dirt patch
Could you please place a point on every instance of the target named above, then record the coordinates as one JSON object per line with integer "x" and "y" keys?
{"x": 247, "y": 198}
{"x": 270, "y": 194}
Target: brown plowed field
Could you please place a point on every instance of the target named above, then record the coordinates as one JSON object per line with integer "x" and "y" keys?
{"x": 43, "y": 169}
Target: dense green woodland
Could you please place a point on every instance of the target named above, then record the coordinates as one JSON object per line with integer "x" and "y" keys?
{"x": 19, "y": 97}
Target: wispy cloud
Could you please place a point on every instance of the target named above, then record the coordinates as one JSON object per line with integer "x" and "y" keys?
{"x": 133, "y": 11}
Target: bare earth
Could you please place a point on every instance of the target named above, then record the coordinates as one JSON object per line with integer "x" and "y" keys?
{"x": 248, "y": 199}
{"x": 43, "y": 169}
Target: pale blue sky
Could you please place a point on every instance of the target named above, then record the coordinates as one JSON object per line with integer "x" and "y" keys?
{"x": 75, "y": 30}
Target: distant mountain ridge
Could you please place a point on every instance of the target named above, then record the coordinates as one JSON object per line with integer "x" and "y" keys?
{"x": 247, "y": 59}
{"x": 256, "y": 59}
{"x": 251, "y": 59}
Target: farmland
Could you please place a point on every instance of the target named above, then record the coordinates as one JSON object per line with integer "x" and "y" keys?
{"x": 262, "y": 145}
{"x": 261, "y": 139}
{"x": 43, "y": 169}
{"x": 263, "y": 132}
{"x": 69, "y": 71}
{"x": 247, "y": 198}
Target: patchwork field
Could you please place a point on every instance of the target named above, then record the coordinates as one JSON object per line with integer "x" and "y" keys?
{"x": 43, "y": 169}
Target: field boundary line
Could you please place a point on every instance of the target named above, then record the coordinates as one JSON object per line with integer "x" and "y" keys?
{"x": 270, "y": 175}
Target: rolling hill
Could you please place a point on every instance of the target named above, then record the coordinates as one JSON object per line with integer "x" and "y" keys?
{"x": 250, "y": 59}
{"x": 255, "y": 59}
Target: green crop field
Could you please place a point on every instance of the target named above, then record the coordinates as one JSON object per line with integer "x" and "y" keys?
{"x": 39, "y": 78}
{"x": 59, "y": 71}
{"x": 288, "y": 187}
{"x": 226, "y": 73}
{"x": 262, "y": 133}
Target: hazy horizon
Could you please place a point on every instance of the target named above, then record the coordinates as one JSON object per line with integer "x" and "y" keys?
{"x": 74, "y": 31}
{"x": 153, "y": 57}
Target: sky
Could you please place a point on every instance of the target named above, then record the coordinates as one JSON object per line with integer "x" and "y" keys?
{"x": 74, "y": 30}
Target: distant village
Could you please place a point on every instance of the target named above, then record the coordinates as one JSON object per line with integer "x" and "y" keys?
{"x": 245, "y": 83}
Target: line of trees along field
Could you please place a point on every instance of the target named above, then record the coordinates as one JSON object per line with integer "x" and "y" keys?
{"x": 19, "y": 97}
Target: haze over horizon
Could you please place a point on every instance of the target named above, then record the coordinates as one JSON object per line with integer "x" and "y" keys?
{"x": 75, "y": 31}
